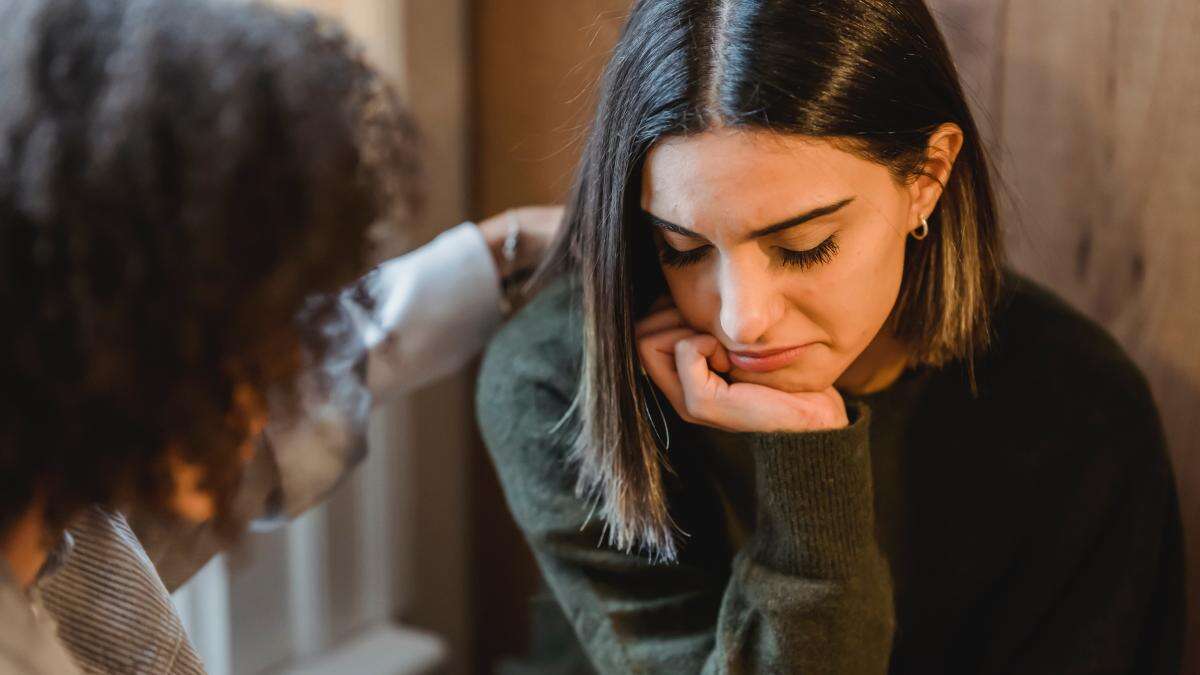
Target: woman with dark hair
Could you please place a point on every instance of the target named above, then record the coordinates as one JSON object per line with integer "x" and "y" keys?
{"x": 185, "y": 190}
{"x": 779, "y": 407}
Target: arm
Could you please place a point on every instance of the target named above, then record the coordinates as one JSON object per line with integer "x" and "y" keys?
{"x": 808, "y": 593}
{"x": 435, "y": 309}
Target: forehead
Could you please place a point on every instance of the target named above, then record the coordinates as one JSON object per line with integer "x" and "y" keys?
{"x": 753, "y": 177}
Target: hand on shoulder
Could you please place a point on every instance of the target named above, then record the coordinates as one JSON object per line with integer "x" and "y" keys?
{"x": 519, "y": 237}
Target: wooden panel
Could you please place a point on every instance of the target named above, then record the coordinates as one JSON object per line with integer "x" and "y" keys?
{"x": 975, "y": 33}
{"x": 536, "y": 62}
{"x": 1095, "y": 106}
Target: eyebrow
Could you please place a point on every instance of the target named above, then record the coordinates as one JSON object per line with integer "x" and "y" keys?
{"x": 761, "y": 232}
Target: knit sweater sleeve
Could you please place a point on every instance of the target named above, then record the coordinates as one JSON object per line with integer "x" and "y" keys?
{"x": 808, "y": 593}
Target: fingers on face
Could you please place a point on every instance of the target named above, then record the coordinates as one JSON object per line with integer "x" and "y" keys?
{"x": 660, "y": 320}
{"x": 657, "y": 354}
{"x": 719, "y": 360}
{"x": 680, "y": 361}
{"x": 663, "y": 302}
{"x": 700, "y": 385}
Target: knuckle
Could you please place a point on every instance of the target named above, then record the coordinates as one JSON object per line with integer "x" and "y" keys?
{"x": 683, "y": 347}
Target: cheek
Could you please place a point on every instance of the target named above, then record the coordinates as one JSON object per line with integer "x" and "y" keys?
{"x": 691, "y": 291}
{"x": 859, "y": 290}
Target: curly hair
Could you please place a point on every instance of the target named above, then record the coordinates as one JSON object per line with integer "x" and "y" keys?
{"x": 178, "y": 180}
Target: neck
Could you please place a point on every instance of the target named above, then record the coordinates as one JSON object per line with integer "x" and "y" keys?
{"x": 877, "y": 368}
{"x": 23, "y": 546}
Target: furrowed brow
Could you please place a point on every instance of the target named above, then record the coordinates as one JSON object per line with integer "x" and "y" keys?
{"x": 671, "y": 227}
{"x": 756, "y": 234}
{"x": 801, "y": 219}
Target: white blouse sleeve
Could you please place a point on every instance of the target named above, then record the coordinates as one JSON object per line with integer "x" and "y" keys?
{"x": 418, "y": 317}
{"x": 434, "y": 310}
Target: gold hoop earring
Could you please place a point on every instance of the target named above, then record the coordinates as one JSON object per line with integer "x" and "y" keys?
{"x": 922, "y": 231}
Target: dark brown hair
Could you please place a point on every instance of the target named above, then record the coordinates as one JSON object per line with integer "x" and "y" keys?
{"x": 178, "y": 179}
{"x": 873, "y": 76}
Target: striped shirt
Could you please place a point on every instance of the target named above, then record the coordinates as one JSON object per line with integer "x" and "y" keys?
{"x": 113, "y": 611}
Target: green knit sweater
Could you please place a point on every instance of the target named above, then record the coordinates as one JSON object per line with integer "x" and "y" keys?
{"x": 1028, "y": 527}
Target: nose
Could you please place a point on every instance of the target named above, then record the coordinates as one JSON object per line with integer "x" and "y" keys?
{"x": 749, "y": 306}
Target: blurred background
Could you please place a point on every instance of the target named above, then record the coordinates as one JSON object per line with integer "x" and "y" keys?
{"x": 1090, "y": 108}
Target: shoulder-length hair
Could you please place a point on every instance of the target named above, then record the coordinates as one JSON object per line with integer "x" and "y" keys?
{"x": 873, "y": 76}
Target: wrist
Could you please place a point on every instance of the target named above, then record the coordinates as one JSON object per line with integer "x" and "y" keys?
{"x": 502, "y": 233}
{"x": 815, "y": 500}
{"x": 498, "y": 234}
{"x": 819, "y": 420}
{"x": 828, "y": 411}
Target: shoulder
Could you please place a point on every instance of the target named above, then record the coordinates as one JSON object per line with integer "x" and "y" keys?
{"x": 1067, "y": 376}
{"x": 1037, "y": 335}
{"x": 526, "y": 385}
{"x": 541, "y": 344}
{"x": 1033, "y": 323}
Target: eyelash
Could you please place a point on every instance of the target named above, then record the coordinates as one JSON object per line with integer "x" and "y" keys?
{"x": 673, "y": 257}
{"x": 818, "y": 255}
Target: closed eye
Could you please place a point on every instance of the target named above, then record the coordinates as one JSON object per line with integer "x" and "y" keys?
{"x": 808, "y": 258}
{"x": 804, "y": 259}
{"x": 673, "y": 257}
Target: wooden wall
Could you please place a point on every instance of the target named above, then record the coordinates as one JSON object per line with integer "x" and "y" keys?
{"x": 1091, "y": 107}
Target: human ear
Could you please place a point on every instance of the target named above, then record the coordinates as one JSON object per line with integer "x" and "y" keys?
{"x": 940, "y": 153}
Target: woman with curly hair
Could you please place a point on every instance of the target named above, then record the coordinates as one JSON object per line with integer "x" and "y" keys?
{"x": 781, "y": 409}
{"x": 186, "y": 189}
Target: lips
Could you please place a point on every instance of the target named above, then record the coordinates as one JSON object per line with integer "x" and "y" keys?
{"x": 767, "y": 360}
